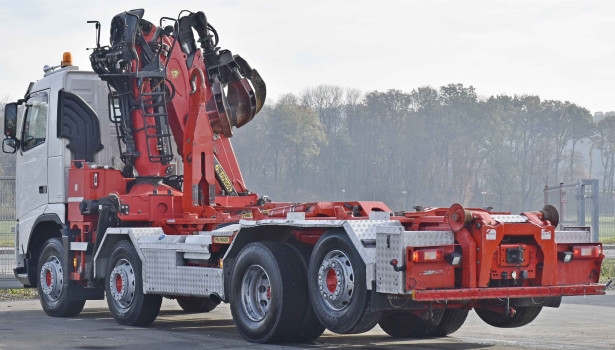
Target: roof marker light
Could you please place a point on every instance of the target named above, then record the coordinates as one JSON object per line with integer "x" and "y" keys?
{"x": 67, "y": 59}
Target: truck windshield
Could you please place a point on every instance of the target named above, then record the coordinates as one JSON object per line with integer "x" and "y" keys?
{"x": 35, "y": 123}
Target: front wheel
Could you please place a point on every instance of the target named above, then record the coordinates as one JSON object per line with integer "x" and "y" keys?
{"x": 52, "y": 292}
{"x": 124, "y": 288}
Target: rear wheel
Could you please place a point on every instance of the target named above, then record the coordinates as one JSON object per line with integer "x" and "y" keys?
{"x": 52, "y": 292}
{"x": 337, "y": 285}
{"x": 451, "y": 321}
{"x": 267, "y": 290}
{"x": 311, "y": 328}
{"x": 523, "y": 316}
{"x": 406, "y": 324}
{"x": 124, "y": 288}
{"x": 196, "y": 304}
{"x": 400, "y": 324}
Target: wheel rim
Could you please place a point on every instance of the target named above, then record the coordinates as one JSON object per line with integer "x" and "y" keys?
{"x": 52, "y": 278}
{"x": 256, "y": 293}
{"x": 122, "y": 284}
{"x": 336, "y": 280}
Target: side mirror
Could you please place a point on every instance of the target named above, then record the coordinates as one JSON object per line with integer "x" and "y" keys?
{"x": 10, "y": 120}
{"x": 10, "y": 145}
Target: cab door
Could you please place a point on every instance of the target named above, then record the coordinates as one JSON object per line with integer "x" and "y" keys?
{"x": 31, "y": 173}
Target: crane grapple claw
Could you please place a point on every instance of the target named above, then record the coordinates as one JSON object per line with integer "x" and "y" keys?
{"x": 258, "y": 84}
{"x": 218, "y": 110}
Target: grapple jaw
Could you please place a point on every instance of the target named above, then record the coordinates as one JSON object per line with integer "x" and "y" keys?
{"x": 237, "y": 91}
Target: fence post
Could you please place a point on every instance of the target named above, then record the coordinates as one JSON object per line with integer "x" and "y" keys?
{"x": 561, "y": 202}
{"x": 581, "y": 203}
{"x": 595, "y": 210}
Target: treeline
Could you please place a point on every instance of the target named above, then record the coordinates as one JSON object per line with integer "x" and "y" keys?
{"x": 429, "y": 147}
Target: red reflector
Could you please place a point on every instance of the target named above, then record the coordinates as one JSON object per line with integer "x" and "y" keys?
{"x": 585, "y": 251}
{"x": 428, "y": 255}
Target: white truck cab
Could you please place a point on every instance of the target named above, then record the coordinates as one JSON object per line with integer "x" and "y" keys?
{"x": 46, "y": 136}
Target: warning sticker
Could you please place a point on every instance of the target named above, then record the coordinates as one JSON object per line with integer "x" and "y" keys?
{"x": 491, "y": 234}
{"x": 546, "y": 234}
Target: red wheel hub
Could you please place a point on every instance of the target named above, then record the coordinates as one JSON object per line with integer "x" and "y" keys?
{"x": 118, "y": 283}
{"x": 48, "y": 278}
{"x": 331, "y": 280}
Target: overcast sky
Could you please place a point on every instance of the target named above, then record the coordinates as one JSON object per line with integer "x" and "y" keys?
{"x": 557, "y": 49}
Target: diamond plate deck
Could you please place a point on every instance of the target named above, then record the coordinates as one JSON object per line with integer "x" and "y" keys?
{"x": 165, "y": 270}
{"x": 573, "y": 236}
{"x": 509, "y": 218}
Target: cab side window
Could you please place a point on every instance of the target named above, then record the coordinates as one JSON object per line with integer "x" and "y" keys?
{"x": 35, "y": 122}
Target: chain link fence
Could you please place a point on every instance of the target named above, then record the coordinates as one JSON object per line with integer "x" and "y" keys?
{"x": 583, "y": 204}
{"x": 7, "y": 221}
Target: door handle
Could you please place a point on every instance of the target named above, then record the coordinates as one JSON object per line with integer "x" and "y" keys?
{"x": 42, "y": 189}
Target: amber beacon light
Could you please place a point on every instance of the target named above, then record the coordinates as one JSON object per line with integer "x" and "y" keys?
{"x": 67, "y": 59}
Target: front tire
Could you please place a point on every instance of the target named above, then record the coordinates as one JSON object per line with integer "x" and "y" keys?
{"x": 124, "y": 288}
{"x": 52, "y": 292}
{"x": 338, "y": 287}
{"x": 267, "y": 290}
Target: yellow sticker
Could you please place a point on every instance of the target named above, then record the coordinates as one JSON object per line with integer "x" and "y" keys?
{"x": 174, "y": 73}
{"x": 228, "y": 186}
{"x": 222, "y": 240}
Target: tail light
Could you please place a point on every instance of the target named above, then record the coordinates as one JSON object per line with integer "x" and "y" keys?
{"x": 580, "y": 252}
{"x": 428, "y": 255}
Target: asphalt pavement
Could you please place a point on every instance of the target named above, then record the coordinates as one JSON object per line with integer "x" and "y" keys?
{"x": 580, "y": 323}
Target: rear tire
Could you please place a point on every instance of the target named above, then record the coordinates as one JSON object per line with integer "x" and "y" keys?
{"x": 196, "y": 304}
{"x": 267, "y": 291}
{"x": 311, "y": 328}
{"x": 52, "y": 292}
{"x": 451, "y": 321}
{"x": 337, "y": 285}
{"x": 523, "y": 316}
{"x": 406, "y": 324}
{"x": 399, "y": 324}
{"x": 124, "y": 288}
